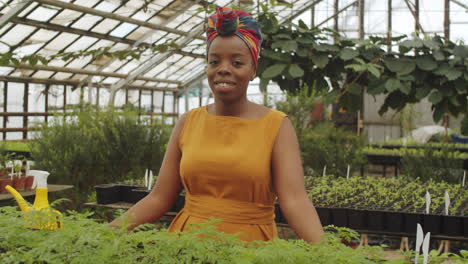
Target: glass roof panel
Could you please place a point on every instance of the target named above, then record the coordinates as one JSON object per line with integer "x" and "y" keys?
{"x": 86, "y": 22}
{"x": 111, "y": 80}
{"x": 42, "y": 74}
{"x": 17, "y": 34}
{"x": 61, "y": 41}
{"x": 107, "y": 6}
{"x": 27, "y": 9}
{"x": 6, "y": 28}
{"x": 43, "y": 13}
{"x": 42, "y": 36}
{"x": 144, "y": 16}
{"x": 159, "y": 20}
{"x": 62, "y": 75}
{"x": 66, "y": 17}
{"x": 105, "y": 26}
{"x": 87, "y": 3}
{"x": 122, "y": 30}
{"x": 4, "y": 48}
{"x": 138, "y": 34}
{"x": 81, "y": 44}
{"x": 79, "y": 63}
{"x": 28, "y": 49}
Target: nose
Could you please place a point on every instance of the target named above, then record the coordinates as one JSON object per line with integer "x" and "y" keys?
{"x": 224, "y": 68}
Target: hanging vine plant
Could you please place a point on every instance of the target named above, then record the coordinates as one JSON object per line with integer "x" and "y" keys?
{"x": 296, "y": 56}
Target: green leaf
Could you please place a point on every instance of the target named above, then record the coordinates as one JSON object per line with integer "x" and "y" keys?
{"x": 321, "y": 60}
{"x": 401, "y": 66}
{"x": 412, "y": 43}
{"x": 461, "y": 51}
{"x": 355, "y": 89}
{"x": 426, "y": 63}
{"x": 464, "y": 131}
{"x": 392, "y": 84}
{"x": 439, "y": 112}
{"x": 296, "y": 71}
{"x": 273, "y": 71}
{"x": 281, "y": 36}
{"x": 303, "y": 25}
{"x": 405, "y": 88}
{"x": 376, "y": 87}
{"x": 435, "y": 97}
{"x": 286, "y": 45}
{"x": 326, "y": 47}
{"x": 453, "y": 74}
{"x": 461, "y": 86}
{"x": 422, "y": 92}
{"x": 374, "y": 70}
{"x": 302, "y": 52}
{"x": 305, "y": 40}
{"x": 431, "y": 44}
{"x": 348, "y": 54}
{"x": 279, "y": 56}
{"x": 438, "y": 55}
{"x": 33, "y": 60}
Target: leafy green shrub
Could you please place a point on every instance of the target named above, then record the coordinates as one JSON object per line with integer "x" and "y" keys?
{"x": 336, "y": 148}
{"x": 83, "y": 240}
{"x": 91, "y": 147}
{"x": 435, "y": 164}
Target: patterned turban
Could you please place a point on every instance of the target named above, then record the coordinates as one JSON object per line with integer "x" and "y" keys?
{"x": 228, "y": 22}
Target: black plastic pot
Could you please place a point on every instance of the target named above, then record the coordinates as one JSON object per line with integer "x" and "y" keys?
{"x": 394, "y": 221}
{"x": 107, "y": 193}
{"x": 126, "y": 192}
{"x": 357, "y": 219}
{"x": 137, "y": 194}
{"x": 375, "y": 220}
{"x": 324, "y": 215}
{"x": 452, "y": 225}
{"x": 432, "y": 223}
{"x": 465, "y": 226}
{"x": 339, "y": 217}
{"x": 411, "y": 221}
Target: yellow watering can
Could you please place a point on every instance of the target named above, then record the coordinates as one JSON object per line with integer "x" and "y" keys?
{"x": 40, "y": 215}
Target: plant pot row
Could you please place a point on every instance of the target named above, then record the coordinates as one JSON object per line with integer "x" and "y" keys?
{"x": 18, "y": 183}
{"x": 114, "y": 193}
{"x": 394, "y": 222}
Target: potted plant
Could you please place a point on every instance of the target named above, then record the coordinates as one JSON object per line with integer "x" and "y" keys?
{"x": 107, "y": 193}
{"x": 18, "y": 179}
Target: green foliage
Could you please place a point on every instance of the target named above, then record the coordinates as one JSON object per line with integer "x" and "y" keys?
{"x": 386, "y": 194}
{"x": 83, "y": 240}
{"x": 294, "y": 56}
{"x": 438, "y": 162}
{"x": 336, "y": 148}
{"x": 91, "y": 147}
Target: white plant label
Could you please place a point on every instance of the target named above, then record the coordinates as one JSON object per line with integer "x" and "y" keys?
{"x": 146, "y": 178}
{"x": 150, "y": 181}
{"x": 428, "y": 202}
{"x": 425, "y": 247}
{"x": 464, "y": 177}
{"x": 324, "y": 170}
{"x": 447, "y": 203}
{"x": 347, "y": 173}
{"x": 419, "y": 241}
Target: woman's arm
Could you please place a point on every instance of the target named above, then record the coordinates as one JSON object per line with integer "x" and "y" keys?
{"x": 288, "y": 179}
{"x": 167, "y": 187}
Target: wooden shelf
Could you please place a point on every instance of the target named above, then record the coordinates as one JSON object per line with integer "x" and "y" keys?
{"x": 50, "y": 187}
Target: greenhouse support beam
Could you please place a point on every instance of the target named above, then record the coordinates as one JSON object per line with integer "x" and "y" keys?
{"x": 76, "y": 83}
{"x": 96, "y": 12}
{"x": 415, "y": 14}
{"x": 339, "y": 12}
{"x": 14, "y": 12}
{"x": 88, "y": 72}
{"x": 151, "y": 63}
{"x": 302, "y": 10}
{"x": 460, "y": 4}
{"x": 447, "y": 20}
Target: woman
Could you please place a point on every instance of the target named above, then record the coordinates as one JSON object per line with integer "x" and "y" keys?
{"x": 234, "y": 158}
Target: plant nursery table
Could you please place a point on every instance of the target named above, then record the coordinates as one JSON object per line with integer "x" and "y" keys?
{"x": 50, "y": 187}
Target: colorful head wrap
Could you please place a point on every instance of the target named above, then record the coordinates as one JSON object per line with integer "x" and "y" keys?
{"x": 228, "y": 22}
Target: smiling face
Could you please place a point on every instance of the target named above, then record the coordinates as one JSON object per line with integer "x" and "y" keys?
{"x": 230, "y": 68}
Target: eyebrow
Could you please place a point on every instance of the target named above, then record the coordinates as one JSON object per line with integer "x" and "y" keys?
{"x": 233, "y": 55}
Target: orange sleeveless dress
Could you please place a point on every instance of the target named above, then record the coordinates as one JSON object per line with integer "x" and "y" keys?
{"x": 226, "y": 172}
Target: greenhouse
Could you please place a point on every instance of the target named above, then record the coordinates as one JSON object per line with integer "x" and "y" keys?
{"x": 233, "y": 131}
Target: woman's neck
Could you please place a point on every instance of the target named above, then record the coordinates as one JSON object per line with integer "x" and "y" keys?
{"x": 238, "y": 109}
